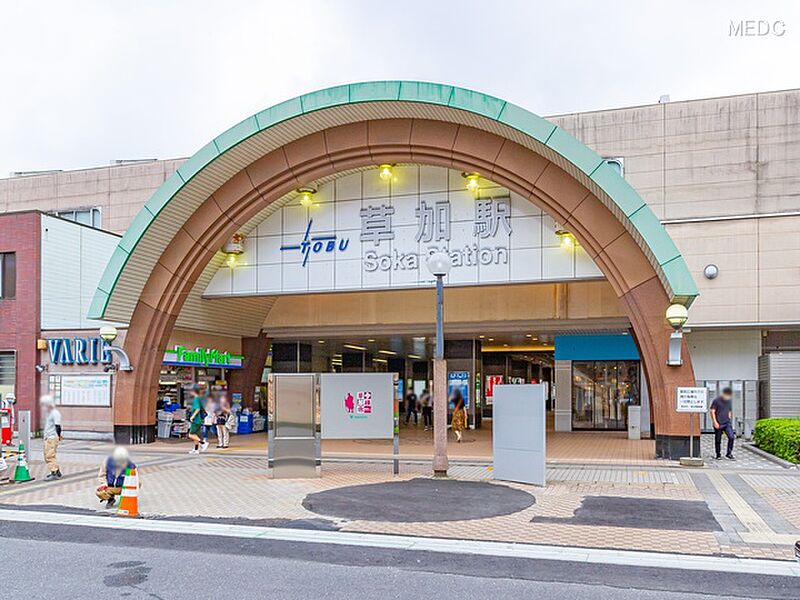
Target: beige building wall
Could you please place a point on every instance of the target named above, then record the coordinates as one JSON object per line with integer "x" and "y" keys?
{"x": 119, "y": 191}
{"x": 695, "y": 162}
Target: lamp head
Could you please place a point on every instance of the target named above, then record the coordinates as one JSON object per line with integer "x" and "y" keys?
{"x": 108, "y": 333}
{"x": 439, "y": 263}
{"x": 677, "y": 315}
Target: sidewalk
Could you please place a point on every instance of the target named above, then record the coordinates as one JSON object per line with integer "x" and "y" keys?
{"x": 750, "y": 508}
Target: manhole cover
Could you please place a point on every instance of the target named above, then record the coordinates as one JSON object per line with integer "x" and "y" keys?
{"x": 419, "y": 500}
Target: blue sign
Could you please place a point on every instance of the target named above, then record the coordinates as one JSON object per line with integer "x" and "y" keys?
{"x": 460, "y": 380}
{"x": 317, "y": 244}
{"x": 79, "y": 351}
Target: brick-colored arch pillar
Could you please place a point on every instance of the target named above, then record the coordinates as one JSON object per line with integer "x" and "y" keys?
{"x": 420, "y": 141}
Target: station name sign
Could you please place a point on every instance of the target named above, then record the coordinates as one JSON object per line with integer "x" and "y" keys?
{"x": 78, "y": 351}
{"x": 202, "y": 357}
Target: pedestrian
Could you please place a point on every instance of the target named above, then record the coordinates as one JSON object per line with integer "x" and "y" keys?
{"x": 223, "y": 412}
{"x": 459, "y": 419}
{"x": 210, "y": 417}
{"x": 112, "y": 475}
{"x": 427, "y": 409}
{"x": 411, "y": 407}
{"x": 52, "y": 436}
{"x": 722, "y": 420}
{"x": 196, "y": 421}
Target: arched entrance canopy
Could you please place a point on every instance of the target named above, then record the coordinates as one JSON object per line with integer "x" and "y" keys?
{"x": 241, "y": 175}
{"x": 174, "y": 202}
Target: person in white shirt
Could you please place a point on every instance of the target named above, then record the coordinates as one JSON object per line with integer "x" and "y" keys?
{"x": 52, "y": 435}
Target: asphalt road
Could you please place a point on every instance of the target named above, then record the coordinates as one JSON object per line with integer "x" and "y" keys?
{"x": 45, "y": 561}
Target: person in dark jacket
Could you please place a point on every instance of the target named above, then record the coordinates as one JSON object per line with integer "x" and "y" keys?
{"x": 722, "y": 420}
{"x": 112, "y": 475}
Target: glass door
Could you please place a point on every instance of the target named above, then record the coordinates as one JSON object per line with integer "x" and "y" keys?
{"x": 602, "y": 392}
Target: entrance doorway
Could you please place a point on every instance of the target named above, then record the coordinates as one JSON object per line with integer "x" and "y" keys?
{"x": 602, "y": 391}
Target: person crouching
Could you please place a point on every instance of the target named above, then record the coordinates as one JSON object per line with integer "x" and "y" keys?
{"x": 112, "y": 475}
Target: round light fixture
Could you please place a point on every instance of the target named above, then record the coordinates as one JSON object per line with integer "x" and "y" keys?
{"x": 386, "y": 172}
{"x": 108, "y": 333}
{"x": 711, "y": 271}
{"x": 439, "y": 264}
{"x": 677, "y": 315}
{"x": 566, "y": 238}
{"x": 473, "y": 181}
{"x": 306, "y": 196}
{"x": 234, "y": 248}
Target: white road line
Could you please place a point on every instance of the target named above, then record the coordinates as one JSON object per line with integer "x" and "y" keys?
{"x": 396, "y": 542}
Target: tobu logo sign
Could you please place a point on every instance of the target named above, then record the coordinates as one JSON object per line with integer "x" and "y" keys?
{"x": 358, "y": 406}
{"x": 317, "y": 244}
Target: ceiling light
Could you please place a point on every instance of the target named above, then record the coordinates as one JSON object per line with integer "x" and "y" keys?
{"x": 354, "y": 347}
{"x": 386, "y": 172}
{"x": 568, "y": 240}
{"x": 416, "y": 356}
{"x": 388, "y": 352}
{"x": 306, "y": 195}
{"x": 371, "y": 340}
{"x": 320, "y": 341}
{"x": 473, "y": 182}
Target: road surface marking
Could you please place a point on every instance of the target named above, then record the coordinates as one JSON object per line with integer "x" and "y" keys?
{"x": 397, "y": 542}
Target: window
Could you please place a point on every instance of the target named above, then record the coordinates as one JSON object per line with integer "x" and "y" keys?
{"x": 85, "y": 216}
{"x": 8, "y": 275}
{"x": 8, "y": 368}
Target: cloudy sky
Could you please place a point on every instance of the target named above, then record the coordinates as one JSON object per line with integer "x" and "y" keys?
{"x": 84, "y": 83}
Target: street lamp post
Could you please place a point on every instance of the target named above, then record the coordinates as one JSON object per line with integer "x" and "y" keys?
{"x": 439, "y": 264}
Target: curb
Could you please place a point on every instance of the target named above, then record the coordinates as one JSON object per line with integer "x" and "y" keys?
{"x": 770, "y": 457}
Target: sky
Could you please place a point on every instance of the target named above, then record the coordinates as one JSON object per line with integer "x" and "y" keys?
{"x": 85, "y": 83}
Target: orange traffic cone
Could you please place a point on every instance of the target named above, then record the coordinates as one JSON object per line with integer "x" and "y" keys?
{"x": 129, "y": 504}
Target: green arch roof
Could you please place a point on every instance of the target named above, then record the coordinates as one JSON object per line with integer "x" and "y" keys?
{"x": 627, "y": 203}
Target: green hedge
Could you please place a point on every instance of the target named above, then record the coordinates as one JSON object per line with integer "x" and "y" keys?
{"x": 780, "y": 437}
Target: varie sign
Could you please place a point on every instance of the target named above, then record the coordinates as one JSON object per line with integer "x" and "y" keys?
{"x": 78, "y": 351}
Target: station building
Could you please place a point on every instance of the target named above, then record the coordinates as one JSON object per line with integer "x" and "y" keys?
{"x": 296, "y": 241}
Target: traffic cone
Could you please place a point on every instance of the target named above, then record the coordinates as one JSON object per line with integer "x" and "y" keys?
{"x": 129, "y": 504}
{"x": 21, "y": 472}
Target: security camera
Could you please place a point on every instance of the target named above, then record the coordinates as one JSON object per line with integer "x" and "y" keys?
{"x": 40, "y": 368}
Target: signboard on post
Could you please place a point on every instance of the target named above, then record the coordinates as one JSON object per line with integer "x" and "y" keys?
{"x": 691, "y": 399}
{"x": 357, "y": 406}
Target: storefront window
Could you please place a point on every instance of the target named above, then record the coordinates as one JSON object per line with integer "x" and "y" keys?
{"x": 602, "y": 392}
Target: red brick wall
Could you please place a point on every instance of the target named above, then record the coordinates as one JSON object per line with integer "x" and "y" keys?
{"x": 19, "y": 318}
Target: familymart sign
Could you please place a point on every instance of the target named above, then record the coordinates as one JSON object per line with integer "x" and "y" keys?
{"x": 202, "y": 357}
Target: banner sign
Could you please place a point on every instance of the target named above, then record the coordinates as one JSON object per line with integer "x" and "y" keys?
{"x": 357, "y": 406}
{"x": 491, "y": 381}
{"x": 458, "y": 380}
{"x": 363, "y": 233}
{"x": 202, "y": 357}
